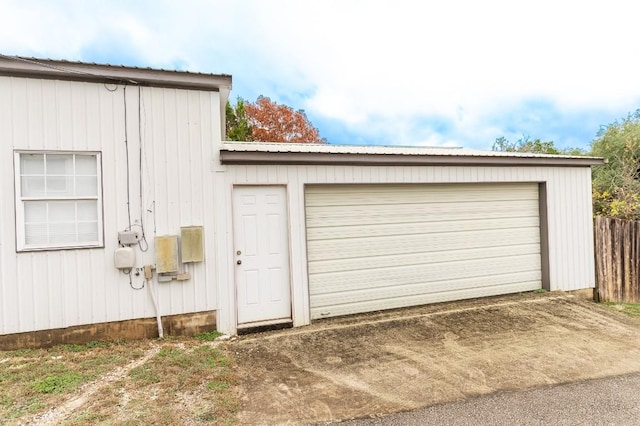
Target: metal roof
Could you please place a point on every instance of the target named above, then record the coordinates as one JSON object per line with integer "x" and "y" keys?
{"x": 89, "y": 71}
{"x": 290, "y": 153}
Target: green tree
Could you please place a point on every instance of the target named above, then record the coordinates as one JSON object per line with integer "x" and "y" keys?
{"x": 616, "y": 188}
{"x": 574, "y": 152}
{"x": 525, "y": 144}
{"x": 237, "y": 124}
{"x": 537, "y": 146}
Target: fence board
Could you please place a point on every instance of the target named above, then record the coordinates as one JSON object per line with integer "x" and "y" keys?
{"x": 617, "y": 260}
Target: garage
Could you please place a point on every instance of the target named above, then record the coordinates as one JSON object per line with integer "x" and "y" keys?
{"x": 289, "y": 232}
{"x": 383, "y": 246}
{"x": 382, "y": 227}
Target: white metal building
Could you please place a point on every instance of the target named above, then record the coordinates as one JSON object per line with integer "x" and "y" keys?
{"x": 107, "y": 172}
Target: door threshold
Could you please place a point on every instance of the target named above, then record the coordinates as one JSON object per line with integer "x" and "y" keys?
{"x": 260, "y": 326}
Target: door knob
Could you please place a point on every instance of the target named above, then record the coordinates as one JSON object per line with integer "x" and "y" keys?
{"x": 239, "y": 262}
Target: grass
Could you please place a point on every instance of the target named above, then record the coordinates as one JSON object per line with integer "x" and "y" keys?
{"x": 31, "y": 379}
{"x": 58, "y": 383}
{"x": 631, "y": 309}
{"x": 209, "y": 336}
{"x": 187, "y": 380}
{"x": 190, "y": 380}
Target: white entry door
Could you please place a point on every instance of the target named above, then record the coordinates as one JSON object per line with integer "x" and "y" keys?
{"x": 261, "y": 254}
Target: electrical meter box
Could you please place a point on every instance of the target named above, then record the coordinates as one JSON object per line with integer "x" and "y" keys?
{"x": 124, "y": 258}
{"x": 167, "y": 254}
{"x": 191, "y": 246}
{"x": 126, "y": 238}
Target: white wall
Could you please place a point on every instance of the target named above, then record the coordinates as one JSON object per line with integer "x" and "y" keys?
{"x": 184, "y": 184}
{"x": 177, "y": 132}
{"x": 568, "y": 203}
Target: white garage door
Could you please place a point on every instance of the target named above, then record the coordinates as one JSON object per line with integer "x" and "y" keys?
{"x": 373, "y": 247}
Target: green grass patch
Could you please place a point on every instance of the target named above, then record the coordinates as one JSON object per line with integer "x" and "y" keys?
{"x": 21, "y": 353}
{"x": 176, "y": 357}
{"x": 631, "y": 309}
{"x": 58, "y": 383}
{"x": 86, "y": 346}
{"x": 87, "y": 418}
{"x": 208, "y": 336}
{"x": 217, "y": 385}
{"x": 144, "y": 374}
{"x": 212, "y": 357}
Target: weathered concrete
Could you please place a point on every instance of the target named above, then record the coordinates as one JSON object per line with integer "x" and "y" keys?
{"x": 585, "y": 293}
{"x": 143, "y": 328}
{"x": 387, "y": 362}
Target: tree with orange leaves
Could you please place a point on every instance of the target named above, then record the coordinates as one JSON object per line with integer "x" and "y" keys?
{"x": 269, "y": 122}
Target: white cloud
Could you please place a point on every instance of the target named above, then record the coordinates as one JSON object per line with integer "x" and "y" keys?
{"x": 376, "y": 66}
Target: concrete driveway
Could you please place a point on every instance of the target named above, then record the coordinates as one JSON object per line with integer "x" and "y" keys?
{"x": 375, "y": 364}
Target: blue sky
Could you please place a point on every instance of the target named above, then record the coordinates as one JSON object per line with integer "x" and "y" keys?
{"x": 454, "y": 73}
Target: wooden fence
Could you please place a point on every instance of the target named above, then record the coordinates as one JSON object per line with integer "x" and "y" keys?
{"x": 617, "y": 260}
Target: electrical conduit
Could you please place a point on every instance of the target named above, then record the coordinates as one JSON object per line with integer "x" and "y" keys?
{"x": 154, "y": 298}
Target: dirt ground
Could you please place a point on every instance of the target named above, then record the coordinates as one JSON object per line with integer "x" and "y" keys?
{"x": 376, "y": 364}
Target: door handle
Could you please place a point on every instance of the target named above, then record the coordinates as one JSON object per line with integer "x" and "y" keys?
{"x": 239, "y": 262}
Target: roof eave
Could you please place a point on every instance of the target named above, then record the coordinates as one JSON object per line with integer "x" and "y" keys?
{"x": 307, "y": 158}
{"x": 78, "y": 71}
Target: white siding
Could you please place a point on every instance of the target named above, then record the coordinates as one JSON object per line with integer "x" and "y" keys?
{"x": 569, "y": 222}
{"x": 183, "y": 183}
{"x": 177, "y": 133}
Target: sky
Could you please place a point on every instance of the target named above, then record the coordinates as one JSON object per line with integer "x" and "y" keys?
{"x": 402, "y": 72}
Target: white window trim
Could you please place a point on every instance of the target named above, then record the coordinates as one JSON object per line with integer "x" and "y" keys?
{"x": 21, "y": 245}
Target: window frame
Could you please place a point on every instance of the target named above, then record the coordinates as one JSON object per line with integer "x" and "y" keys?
{"x": 20, "y": 222}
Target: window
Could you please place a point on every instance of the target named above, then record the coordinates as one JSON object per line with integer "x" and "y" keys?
{"x": 58, "y": 200}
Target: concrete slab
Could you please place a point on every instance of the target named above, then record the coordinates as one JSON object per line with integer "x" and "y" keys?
{"x": 369, "y": 365}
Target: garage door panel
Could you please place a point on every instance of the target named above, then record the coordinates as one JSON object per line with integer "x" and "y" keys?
{"x": 419, "y": 227}
{"x": 420, "y": 299}
{"x": 423, "y": 243}
{"x": 372, "y": 247}
{"x": 432, "y": 212}
{"x": 432, "y": 272}
{"x": 354, "y": 195}
{"x": 416, "y": 289}
{"x": 398, "y": 260}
